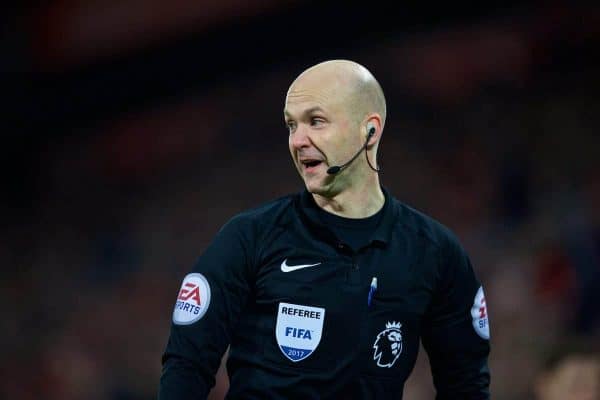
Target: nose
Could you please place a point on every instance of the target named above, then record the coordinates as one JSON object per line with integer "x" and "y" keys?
{"x": 300, "y": 139}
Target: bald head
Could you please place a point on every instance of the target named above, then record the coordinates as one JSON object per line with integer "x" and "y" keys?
{"x": 351, "y": 83}
{"x": 332, "y": 110}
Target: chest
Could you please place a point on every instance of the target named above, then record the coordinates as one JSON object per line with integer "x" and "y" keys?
{"x": 314, "y": 303}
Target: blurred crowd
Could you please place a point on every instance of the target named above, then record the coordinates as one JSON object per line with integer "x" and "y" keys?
{"x": 92, "y": 273}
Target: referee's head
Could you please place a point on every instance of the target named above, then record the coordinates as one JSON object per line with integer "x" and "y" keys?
{"x": 329, "y": 110}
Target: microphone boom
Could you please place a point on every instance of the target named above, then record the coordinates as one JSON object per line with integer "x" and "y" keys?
{"x": 337, "y": 168}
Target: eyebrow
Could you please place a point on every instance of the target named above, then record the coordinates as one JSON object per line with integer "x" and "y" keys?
{"x": 307, "y": 111}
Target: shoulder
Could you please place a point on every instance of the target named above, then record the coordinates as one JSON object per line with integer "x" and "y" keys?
{"x": 269, "y": 214}
{"x": 448, "y": 256}
{"x": 426, "y": 227}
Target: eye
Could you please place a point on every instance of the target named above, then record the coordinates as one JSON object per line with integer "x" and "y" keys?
{"x": 317, "y": 121}
{"x": 291, "y": 126}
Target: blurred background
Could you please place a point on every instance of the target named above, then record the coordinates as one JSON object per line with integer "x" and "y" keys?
{"x": 134, "y": 129}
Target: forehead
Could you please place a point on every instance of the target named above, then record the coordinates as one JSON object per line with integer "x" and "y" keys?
{"x": 304, "y": 103}
{"x": 305, "y": 97}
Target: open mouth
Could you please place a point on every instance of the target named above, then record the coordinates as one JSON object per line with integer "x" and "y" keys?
{"x": 311, "y": 163}
{"x": 311, "y": 166}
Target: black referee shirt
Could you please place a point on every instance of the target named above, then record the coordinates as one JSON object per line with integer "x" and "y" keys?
{"x": 292, "y": 300}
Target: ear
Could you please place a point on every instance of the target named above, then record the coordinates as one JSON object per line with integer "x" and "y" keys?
{"x": 373, "y": 128}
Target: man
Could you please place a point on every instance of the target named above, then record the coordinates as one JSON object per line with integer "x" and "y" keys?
{"x": 571, "y": 372}
{"x": 326, "y": 293}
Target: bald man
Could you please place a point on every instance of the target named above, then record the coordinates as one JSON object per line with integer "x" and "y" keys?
{"x": 327, "y": 293}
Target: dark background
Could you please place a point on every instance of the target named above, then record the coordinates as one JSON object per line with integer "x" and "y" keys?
{"x": 134, "y": 129}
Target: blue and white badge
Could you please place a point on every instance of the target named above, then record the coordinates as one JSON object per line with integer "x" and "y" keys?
{"x": 479, "y": 314}
{"x": 193, "y": 299}
{"x": 298, "y": 330}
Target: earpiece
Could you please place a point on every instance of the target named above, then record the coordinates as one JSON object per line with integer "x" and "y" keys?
{"x": 370, "y": 130}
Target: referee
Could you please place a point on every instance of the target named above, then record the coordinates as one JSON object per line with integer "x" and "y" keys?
{"x": 327, "y": 293}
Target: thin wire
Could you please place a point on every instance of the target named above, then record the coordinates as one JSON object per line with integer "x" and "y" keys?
{"x": 369, "y": 162}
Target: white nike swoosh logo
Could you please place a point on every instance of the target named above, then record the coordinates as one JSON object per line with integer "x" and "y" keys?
{"x": 290, "y": 268}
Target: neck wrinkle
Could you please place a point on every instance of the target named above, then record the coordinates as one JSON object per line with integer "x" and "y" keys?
{"x": 355, "y": 202}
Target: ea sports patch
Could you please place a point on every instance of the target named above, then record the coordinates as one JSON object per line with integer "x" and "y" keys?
{"x": 298, "y": 330}
{"x": 480, "y": 315}
{"x": 193, "y": 299}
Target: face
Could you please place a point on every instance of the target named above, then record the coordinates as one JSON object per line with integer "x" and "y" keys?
{"x": 321, "y": 133}
{"x": 577, "y": 378}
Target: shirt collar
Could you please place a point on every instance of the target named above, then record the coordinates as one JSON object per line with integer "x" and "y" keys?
{"x": 306, "y": 206}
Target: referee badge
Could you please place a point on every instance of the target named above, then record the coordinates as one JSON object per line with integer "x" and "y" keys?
{"x": 298, "y": 330}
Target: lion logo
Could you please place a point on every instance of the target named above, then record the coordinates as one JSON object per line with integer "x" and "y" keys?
{"x": 388, "y": 345}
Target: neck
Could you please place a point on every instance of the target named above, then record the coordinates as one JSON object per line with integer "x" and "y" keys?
{"x": 358, "y": 201}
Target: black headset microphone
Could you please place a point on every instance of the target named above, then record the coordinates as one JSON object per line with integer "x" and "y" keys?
{"x": 337, "y": 168}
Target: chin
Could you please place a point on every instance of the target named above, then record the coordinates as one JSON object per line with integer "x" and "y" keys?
{"x": 316, "y": 187}
{"x": 313, "y": 186}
